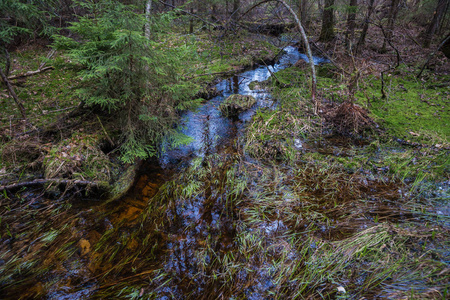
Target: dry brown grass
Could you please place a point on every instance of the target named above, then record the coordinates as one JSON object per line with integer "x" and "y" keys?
{"x": 349, "y": 118}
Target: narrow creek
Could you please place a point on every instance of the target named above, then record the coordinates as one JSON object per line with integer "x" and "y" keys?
{"x": 195, "y": 223}
{"x": 205, "y": 221}
{"x": 213, "y": 132}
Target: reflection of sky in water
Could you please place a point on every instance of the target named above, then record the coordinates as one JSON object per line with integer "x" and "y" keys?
{"x": 206, "y": 125}
{"x": 317, "y": 60}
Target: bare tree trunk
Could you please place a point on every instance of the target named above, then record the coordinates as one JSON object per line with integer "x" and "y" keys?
{"x": 327, "y": 32}
{"x": 148, "y": 11}
{"x": 435, "y": 22}
{"x": 13, "y": 94}
{"x": 7, "y": 61}
{"x": 191, "y": 22}
{"x": 392, "y": 16}
{"x": 444, "y": 20}
{"x": 236, "y": 7}
{"x": 349, "y": 34}
{"x": 362, "y": 37}
{"x": 302, "y": 11}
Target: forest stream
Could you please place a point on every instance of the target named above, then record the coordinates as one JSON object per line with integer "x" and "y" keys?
{"x": 208, "y": 221}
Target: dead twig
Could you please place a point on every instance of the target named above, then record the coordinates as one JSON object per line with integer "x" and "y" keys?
{"x": 31, "y": 73}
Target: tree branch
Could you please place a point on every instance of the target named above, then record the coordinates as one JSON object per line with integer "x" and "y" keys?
{"x": 432, "y": 54}
{"x": 31, "y": 73}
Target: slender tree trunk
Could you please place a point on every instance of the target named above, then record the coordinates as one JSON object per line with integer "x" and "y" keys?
{"x": 444, "y": 20}
{"x": 214, "y": 13}
{"x": 302, "y": 11}
{"x": 7, "y": 61}
{"x": 362, "y": 37}
{"x": 435, "y": 22}
{"x": 191, "y": 22}
{"x": 349, "y": 34}
{"x": 148, "y": 12}
{"x": 327, "y": 32}
{"x": 392, "y": 16}
{"x": 236, "y": 7}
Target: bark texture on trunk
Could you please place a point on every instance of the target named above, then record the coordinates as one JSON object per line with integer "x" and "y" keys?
{"x": 351, "y": 18}
{"x": 327, "y": 32}
{"x": 438, "y": 14}
{"x": 362, "y": 37}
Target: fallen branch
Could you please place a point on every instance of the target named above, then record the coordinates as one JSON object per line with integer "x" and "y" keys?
{"x": 38, "y": 182}
{"x": 31, "y": 73}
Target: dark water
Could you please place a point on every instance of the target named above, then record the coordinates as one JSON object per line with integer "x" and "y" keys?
{"x": 201, "y": 218}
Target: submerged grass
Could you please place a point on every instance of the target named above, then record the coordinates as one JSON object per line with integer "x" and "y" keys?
{"x": 237, "y": 229}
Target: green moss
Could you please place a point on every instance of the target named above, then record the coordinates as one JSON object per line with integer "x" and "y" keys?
{"x": 78, "y": 158}
{"x": 412, "y": 109}
{"x": 44, "y": 95}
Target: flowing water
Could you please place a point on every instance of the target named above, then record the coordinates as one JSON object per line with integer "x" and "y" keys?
{"x": 211, "y": 131}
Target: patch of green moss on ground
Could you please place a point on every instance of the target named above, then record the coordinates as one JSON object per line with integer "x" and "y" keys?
{"x": 44, "y": 96}
{"x": 290, "y": 89}
{"x": 413, "y": 109}
{"x": 416, "y": 110}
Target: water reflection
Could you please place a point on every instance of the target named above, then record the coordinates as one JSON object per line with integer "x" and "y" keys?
{"x": 208, "y": 129}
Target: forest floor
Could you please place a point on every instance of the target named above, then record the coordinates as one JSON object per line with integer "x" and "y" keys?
{"x": 308, "y": 205}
